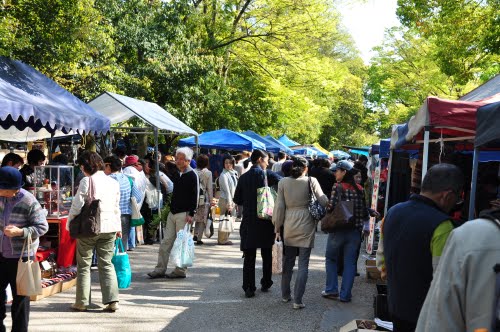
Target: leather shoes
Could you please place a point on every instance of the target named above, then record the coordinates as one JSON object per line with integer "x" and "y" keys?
{"x": 249, "y": 293}
{"x": 155, "y": 275}
{"x": 173, "y": 275}
{"x": 78, "y": 307}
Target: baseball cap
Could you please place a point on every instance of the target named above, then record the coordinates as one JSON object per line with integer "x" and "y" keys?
{"x": 344, "y": 165}
{"x": 10, "y": 178}
{"x": 131, "y": 160}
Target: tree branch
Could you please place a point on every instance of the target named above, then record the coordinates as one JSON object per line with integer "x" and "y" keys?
{"x": 240, "y": 38}
{"x": 238, "y": 17}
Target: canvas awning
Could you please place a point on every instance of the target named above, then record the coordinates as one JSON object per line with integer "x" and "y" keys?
{"x": 32, "y": 106}
{"x": 224, "y": 139}
{"x": 454, "y": 118}
{"x": 488, "y": 125}
{"x": 119, "y": 108}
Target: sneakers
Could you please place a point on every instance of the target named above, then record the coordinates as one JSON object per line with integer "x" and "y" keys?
{"x": 78, "y": 307}
{"x": 156, "y": 275}
{"x": 331, "y": 296}
{"x": 112, "y": 307}
{"x": 286, "y": 299}
{"x": 299, "y": 305}
{"x": 93, "y": 267}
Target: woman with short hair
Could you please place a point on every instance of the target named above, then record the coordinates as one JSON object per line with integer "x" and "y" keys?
{"x": 107, "y": 190}
{"x": 292, "y": 211}
{"x": 205, "y": 198}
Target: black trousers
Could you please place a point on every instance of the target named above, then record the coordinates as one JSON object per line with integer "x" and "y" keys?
{"x": 403, "y": 325}
{"x": 249, "y": 268}
{"x": 20, "y": 309}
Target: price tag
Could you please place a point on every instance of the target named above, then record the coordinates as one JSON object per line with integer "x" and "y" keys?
{"x": 46, "y": 265}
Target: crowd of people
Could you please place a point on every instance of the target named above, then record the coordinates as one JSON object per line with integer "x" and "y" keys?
{"x": 415, "y": 234}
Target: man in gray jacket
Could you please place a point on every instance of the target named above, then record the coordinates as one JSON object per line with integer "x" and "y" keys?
{"x": 462, "y": 293}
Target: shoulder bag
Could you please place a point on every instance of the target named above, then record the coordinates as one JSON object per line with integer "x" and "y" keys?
{"x": 88, "y": 222}
{"x": 315, "y": 209}
{"x": 342, "y": 215}
{"x": 266, "y": 196}
{"x": 28, "y": 277}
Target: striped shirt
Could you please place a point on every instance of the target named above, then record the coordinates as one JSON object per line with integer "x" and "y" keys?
{"x": 126, "y": 191}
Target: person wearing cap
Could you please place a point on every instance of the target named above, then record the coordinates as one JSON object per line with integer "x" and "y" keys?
{"x": 183, "y": 206}
{"x": 346, "y": 238}
{"x": 291, "y": 210}
{"x": 22, "y": 217}
{"x": 35, "y": 158}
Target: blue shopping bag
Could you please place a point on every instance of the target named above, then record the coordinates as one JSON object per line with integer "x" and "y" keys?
{"x": 122, "y": 265}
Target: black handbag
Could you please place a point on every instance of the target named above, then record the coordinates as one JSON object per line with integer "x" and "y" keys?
{"x": 342, "y": 216}
{"x": 88, "y": 222}
{"x": 315, "y": 209}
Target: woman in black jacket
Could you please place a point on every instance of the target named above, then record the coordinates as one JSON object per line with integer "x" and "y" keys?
{"x": 255, "y": 232}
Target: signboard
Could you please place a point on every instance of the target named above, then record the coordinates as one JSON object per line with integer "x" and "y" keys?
{"x": 376, "y": 183}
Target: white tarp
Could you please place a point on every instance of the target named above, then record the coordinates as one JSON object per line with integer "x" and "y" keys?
{"x": 120, "y": 108}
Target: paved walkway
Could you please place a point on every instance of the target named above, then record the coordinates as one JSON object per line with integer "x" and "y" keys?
{"x": 209, "y": 299}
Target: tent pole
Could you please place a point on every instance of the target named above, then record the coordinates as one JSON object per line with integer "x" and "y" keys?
{"x": 473, "y": 188}
{"x": 157, "y": 172}
{"x": 425, "y": 161}
{"x": 197, "y": 147}
{"x": 389, "y": 171}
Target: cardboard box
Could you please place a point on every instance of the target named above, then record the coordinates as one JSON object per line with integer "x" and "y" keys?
{"x": 371, "y": 269}
{"x": 54, "y": 289}
{"x": 353, "y": 326}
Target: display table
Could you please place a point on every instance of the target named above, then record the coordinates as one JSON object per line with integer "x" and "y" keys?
{"x": 67, "y": 246}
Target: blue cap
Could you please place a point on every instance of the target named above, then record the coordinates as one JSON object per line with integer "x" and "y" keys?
{"x": 10, "y": 178}
{"x": 345, "y": 165}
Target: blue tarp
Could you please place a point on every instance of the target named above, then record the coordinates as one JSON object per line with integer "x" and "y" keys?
{"x": 286, "y": 148}
{"x": 287, "y": 141}
{"x": 485, "y": 156}
{"x": 385, "y": 148}
{"x": 304, "y": 152}
{"x": 223, "y": 139}
{"x": 29, "y": 99}
{"x": 270, "y": 145}
{"x": 356, "y": 151}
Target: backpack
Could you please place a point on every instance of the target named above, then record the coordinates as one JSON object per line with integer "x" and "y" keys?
{"x": 494, "y": 216}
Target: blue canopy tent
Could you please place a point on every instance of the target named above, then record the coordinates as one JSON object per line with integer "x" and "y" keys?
{"x": 32, "y": 106}
{"x": 305, "y": 152}
{"x": 319, "y": 153}
{"x": 223, "y": 139}
{"x": 340, "y": 154}
{"x": 283, "y": 146}
{"x": 270, "y": 145}
{"x": 287, "y": 141}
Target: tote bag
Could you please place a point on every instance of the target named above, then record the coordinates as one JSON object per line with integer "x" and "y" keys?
{"x": 121, "y": 263}
{"x": 342, "y": 216}
{"x": 226, "y": 224}
{"x": 29, "y": 276}
{"x": 277, "y": 267}
{"x": 266, "y": 196}
{"x": 88, "y": 222}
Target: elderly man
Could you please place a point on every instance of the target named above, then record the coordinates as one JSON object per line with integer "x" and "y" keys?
{"x": 182, "y": 209}
{"x": 415, "y": 233}
{"x": 22, "y": 216}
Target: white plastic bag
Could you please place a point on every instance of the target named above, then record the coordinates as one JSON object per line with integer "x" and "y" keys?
{"x": 226, "y": 224}
{"x": 182, "y": 253}
{"x": 278, "y": 257}
{"x": 207, "y": 228}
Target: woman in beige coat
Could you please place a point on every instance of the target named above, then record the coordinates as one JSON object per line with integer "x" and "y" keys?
{"x": 291, "y": 211}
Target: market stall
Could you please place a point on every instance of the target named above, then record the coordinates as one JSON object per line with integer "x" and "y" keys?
{"x": 271, "y": 146}
{"x": 283, "y": 146}
{"x": 487, "y": 137}
{"x": 287, "y": 141}
{"x": 224, "y": 139}
{"x": 32, "y": 106}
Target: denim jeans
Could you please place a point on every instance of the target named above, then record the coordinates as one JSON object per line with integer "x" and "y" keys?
{"x": 348, "y": 240}
{"x": 131, "y": 238}
{"x": 302, "y": 273}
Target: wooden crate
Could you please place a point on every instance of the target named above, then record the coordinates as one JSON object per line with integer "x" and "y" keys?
{"x": 54, "y": 289}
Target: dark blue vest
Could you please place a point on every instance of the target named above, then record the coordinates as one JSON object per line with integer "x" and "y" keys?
{"x": 408, "y": 230}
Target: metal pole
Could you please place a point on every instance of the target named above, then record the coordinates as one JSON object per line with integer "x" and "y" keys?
{"x": 157, "y": 172}
{"x": 197, "y": 147}
{"x": 425, "y": 161}
{"x": 389, "y": 168}
{"x": 473, "y": 187}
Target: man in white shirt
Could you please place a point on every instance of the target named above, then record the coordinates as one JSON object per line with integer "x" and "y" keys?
{"x": 279, "y": 163}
